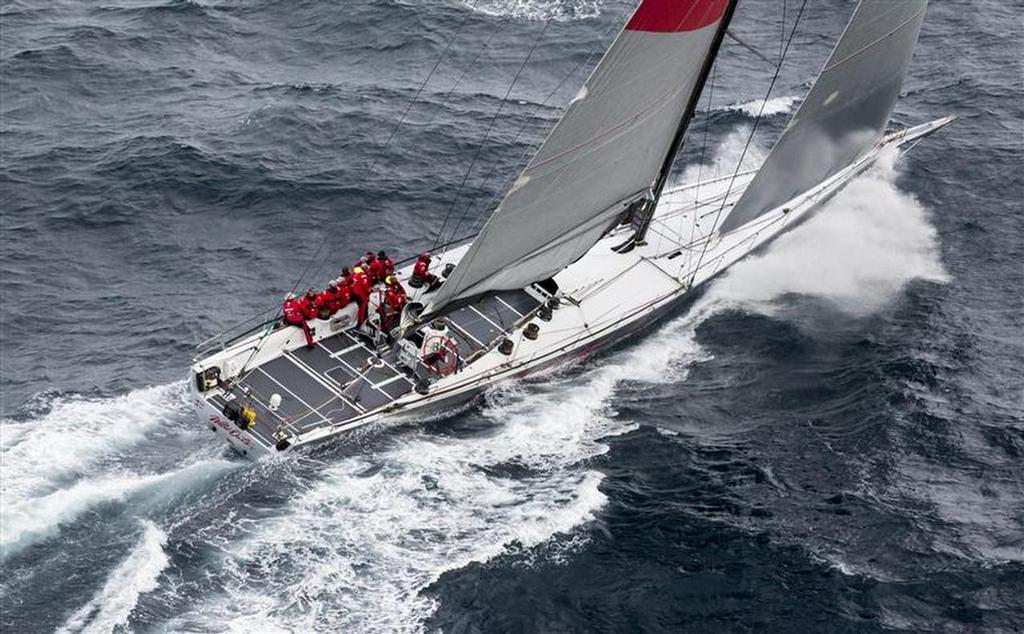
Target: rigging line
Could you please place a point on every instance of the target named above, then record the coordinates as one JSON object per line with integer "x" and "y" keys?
{"x": 326, "y": 237}
{"x": 757, "y": 53}
{"x": 750, "y": 137}
{"x": 524, "y": 157}
{"x": 835, "y": 65}
{"x": 487, "y": 132}
{"x": 380, "y": 155}
{"x": 519, "y": 132}
{"x": 484, "y": 49}
{"x": 700, "y": 165}
{"x": 782, "y": 33}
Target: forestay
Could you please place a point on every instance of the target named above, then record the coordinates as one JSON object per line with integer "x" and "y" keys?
{"x": 846, "y": 111}
{"x": 605, "y": 152}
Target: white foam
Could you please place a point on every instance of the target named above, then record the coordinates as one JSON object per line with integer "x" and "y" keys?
{"x": 771, "y": 107}
{"x": 138, "y": 574}
{"x": 558, "y": 10}
{"x": 76, "y": 432}
{"x": 858, "y": 251}
{"x": 35, "y": 519}
{"x": 721, "y": 162}
{"x": 356, "y": 550}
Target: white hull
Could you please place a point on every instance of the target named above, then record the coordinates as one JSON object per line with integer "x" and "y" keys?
{"x": 605, "y": 297}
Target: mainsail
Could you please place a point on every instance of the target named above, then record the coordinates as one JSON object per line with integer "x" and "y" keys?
{"x": 846, "y": 111}
{"x": 606, "y": 152}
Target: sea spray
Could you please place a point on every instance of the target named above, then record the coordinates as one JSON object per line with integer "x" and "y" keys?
{"x": 540, "y": 10}
{"x": 765, "y": 108}
{"x": 857, "y": 251}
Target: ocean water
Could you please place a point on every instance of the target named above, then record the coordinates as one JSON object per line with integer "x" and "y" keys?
{"x": 830, "y": 438}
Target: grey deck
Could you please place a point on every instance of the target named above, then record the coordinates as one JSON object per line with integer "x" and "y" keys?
{"x": 337, "y": 380}
{"x": 342, "y": 378}
{"x": 477, "y": 325}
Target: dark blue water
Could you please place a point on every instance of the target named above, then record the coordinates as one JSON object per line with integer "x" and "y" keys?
{"x": 831, "y": 438}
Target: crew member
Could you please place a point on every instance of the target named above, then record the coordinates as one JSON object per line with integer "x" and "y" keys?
{"x": 366, "y": 263}
{"x": 344, "y": 292}
{"x": 294, "y": 315}
{"x": 327, "y": 301}
{"x": 389, "y": 264}
{"x": 421, "y": 272}
{"x": 394, "y": 301}
{"x": 379, "y": 267}
{"x": 361, "y": 292}
{"x": 309, "y": 308}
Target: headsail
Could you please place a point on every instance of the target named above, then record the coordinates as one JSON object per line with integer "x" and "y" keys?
{"x": 846, "y": 111}
{"x": 606, "y": 152}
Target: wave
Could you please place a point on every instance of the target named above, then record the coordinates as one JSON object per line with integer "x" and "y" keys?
{"x": 558, "y": 10}
{"x": 766, "y": 108}
{"x": 138, "y": 574}
{"x": 39, "y": 518}
{"x": 78, "y": 431}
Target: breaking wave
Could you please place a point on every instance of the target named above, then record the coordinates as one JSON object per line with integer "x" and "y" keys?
{"x": 138, "y": 574}
{"x": 560, "y": 11}
{"x": 79, "y": 431}
{"x": 772, "y": 107}
{"x": 36, "y": 519}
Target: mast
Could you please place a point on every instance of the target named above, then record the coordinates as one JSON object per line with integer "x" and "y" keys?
{"x": 614, "y": 142}
{"x": 642, "y": 217}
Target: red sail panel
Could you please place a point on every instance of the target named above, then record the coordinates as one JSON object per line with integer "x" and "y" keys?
{"x": 674, "y": 16}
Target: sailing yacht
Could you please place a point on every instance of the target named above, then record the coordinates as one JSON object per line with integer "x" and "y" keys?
{"x": 585, "y": 248}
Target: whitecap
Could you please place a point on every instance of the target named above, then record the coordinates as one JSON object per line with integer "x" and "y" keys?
{"x": 138, "y": 574}
{"x": 561, "y": 11}
{"x": 766, "y": 108}
{"x": 78, "y": 431}
{"x": 35, "y": 519}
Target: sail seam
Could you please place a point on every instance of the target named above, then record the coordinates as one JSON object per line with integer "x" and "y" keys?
{"x": 870, "y": 45}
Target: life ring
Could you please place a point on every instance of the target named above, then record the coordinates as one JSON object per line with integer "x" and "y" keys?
{"x": 440, "y": 354}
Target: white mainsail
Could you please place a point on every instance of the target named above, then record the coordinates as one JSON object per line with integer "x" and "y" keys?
{"x": 606, "y": 152}
{"x": 845, "y": 112}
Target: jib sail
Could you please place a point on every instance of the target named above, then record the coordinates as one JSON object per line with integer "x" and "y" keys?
{"x": 846, "y": 111}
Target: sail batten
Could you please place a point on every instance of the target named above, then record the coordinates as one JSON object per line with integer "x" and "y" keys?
{"x": 846, "y": 111}
{"x": 608, "y": 148}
